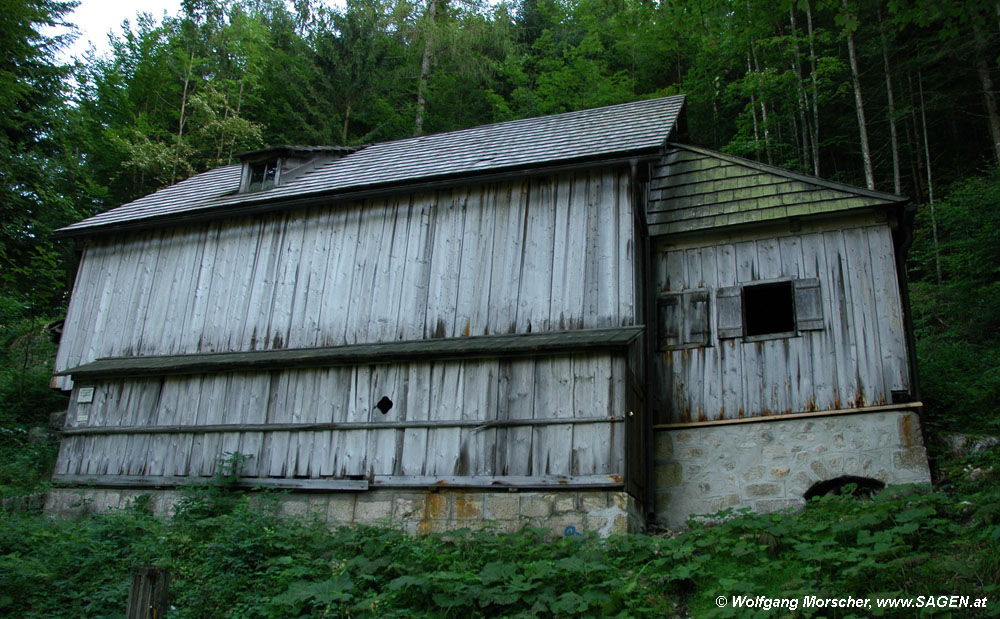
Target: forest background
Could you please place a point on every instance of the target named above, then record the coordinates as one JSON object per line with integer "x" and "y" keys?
{"x": 898, "y": 96}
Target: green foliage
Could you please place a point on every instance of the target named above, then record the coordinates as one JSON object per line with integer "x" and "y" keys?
{"x": 957, "y": 320}
{"x": 246, "y": 560}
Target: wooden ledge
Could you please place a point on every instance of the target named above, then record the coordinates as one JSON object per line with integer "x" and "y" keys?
{"x": 827, "y": 413}
{"x": 442, "y": 349}
{"x": 484, "y": 482}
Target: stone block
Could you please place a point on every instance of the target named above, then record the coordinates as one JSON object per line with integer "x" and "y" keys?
{"x": 724, "y": 502}
{"x": 765, "y": 490}
{"x": 774, "y": 505}
{"x": 468, "y": 506}
{"x": 294, "y": 506}
{"x": 536, "y": 505}
{"x": 754, "y": 473}
{"x": 684, "y": 436}
{"x": 819, "y": 469}
{"x": 565, "y": 503}
{"x": 590, "y": 501}
{"x": 780, "y": 471}
{"x": 501, "y": 507}
{"x": 910, "y": 458}
{"x": 340, "y": 510}
{"x": 408, "y": 505}
{"x": 691, "y": 453}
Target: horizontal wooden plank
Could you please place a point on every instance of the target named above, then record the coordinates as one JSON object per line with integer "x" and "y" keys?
{"x": 826, "y": 413}
{"x": 498, "y": 481}
{"x": 346, "y": 425}
{"x": 476, "y": 347}
{"x": 154, "y": 481}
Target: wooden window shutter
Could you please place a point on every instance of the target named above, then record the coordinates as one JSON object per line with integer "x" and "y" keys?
{"x": 808, "y": 305}
{"x": 683, "y": 319}
{"x": 668, "y": 320}
{"x": 697, "y": 317}
{"x": 729, "y": 305}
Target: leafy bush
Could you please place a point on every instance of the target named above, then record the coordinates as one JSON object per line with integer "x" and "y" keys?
{"x": 242, "y": 559}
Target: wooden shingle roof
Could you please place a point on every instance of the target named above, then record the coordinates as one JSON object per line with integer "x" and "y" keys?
{"x": 628, "y": 129}
{"x": 695, "y": 188}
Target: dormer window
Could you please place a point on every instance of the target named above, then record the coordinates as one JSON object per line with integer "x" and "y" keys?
{"x": 262, "y": 175}
{"x": 279, "y": 165}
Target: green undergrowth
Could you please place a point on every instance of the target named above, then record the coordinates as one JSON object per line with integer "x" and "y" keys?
{"x": 231, "y": 555}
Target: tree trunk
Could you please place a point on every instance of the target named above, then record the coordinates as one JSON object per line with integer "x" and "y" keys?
{"x": 803, "y": 101}
{"x": 180, "y": 123}
{"x": 990, "y": 99}
{"x": 753, "y": 112}
{"x": 815, "y": 90}
{"x": 425, "y": 71}
{"x": 896, "y": 182}
{"x": 930, "y": 184}
{"x": 866, "y": 154}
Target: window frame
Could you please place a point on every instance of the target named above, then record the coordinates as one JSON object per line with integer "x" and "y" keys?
{"x": 807, "y": 309}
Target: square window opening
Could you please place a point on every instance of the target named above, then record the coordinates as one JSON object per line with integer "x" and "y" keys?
{"x": 768, "y": 309}
{"x": 262, "y": 175}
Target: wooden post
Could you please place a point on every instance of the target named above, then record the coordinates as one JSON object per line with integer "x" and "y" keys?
{"x": 148, "y": 594}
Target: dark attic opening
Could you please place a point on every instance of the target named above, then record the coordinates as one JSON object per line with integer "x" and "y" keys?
{"x": 768, "y": 309}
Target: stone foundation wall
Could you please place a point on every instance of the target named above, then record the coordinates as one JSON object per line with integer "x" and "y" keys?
{"x": 418, "y": 512}
{"x": 769, "y": 465}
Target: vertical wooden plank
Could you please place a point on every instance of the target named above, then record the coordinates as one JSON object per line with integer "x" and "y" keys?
{"x": 841, "y": 316}
{"x": 533, "y": 297}
{"x": 866, "y": 331}
{"x": 888, "y": 311}
{"x": 552, "y": 446}
{"x": 346, "y": 226}
{"x": 519, "y": 405}
{"x": 291, "y": 273}
{"x": 266, "y": 271}
{"x": 418, "y": 403}
{"x": 774, "y": 355}
{"x": 334, "y": 400}
{"x": 800, "y": 357}
{"x": 306, "y": 329}
{"x": 478, "y": 445}
{"x": 359, "y": 316}
{"x": 819, "y": 354}
{"x": 445, "y": 266}
{"x": 626, "y": 262}
{"x": 748, "y": 271}
{"x": 386, "y": 382}
{"x": 472, "y": 303}
{"x": 447, "y": 402}
{"x": 479, "y": 253}
{"x": 508, "y": 243}
{"x": 389, "y": 286}
{"x": 617, "y": 392}
{"x": 730, "y": 350}
{"x": 712, "y": 396}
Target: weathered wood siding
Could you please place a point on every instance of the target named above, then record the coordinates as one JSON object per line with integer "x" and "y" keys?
{"x": 523, "y": 256}
{"x": 564, "y": 387}
{"x": 694, "y": 190}
{"x": 856, "y": 359}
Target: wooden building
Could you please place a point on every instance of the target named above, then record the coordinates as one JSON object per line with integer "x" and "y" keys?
{"x": 521, "y": 306}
